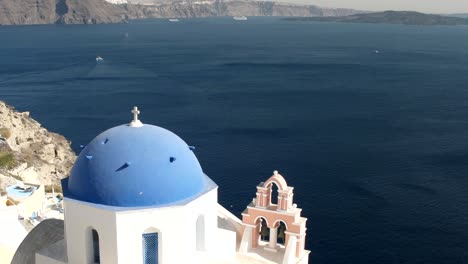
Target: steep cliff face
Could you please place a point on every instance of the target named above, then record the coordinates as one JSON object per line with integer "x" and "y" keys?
{"x": 164, "y": 9}
{"x": 21, "y": 12}
{"x": 27, "y": 12}
{"x": 18, "y": 12}
{"x": 29, "y": 152}
{"x": 90, "y": 12}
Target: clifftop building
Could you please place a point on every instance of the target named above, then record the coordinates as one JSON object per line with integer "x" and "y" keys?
{"x": 137, "y": 194}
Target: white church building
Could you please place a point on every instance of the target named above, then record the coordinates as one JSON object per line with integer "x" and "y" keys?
{"x": 137, "y": 194}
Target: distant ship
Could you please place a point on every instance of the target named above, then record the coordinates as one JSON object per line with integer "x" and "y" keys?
{"x": 240, "y": 18}
{"x": 99, "y": 59}
{"x": 173, "y": 20}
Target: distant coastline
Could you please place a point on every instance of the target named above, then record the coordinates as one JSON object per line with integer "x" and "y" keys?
{"x": 391, "y": 17}
{"x": 28, "y": 12}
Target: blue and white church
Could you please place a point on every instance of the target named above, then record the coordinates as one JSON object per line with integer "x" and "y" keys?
{"x": 137, "y": 194}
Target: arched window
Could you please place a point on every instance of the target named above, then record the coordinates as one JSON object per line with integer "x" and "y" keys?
{"x": 150, "y": 248}
{"x": 200, "y": 233}
{"x": 274, "y": 194}
{"x": 96, "y": 253}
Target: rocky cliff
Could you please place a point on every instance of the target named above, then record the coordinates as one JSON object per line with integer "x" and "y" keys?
{"x": 185, "y": 9}
{"x": 21, "y": 12}
{"x": 16, "y": 12}
{"x": 29, "y": 152}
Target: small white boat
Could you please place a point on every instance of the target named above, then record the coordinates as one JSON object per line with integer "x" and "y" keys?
{"x": 173, "y": 20}
{"x": 99, "y": 59}
{"x": 240, "y": 18}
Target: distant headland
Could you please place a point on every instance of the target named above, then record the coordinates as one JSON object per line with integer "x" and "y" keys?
{"x": 390, "y": 17}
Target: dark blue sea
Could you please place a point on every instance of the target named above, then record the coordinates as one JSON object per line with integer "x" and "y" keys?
{"x": 375, "y": 143}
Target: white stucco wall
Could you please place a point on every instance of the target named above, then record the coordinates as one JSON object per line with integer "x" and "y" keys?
{"x": 176, "y": 227}
{"x": 80, "y": 219}
{"x": 12, "y": 233}
{"x": 33, "y": 203}
{"x": 182, "y": 229}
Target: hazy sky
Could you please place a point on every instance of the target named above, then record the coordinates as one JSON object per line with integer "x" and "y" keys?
{"x": 432, "y": 6}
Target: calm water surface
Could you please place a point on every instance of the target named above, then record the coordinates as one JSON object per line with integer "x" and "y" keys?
{"x": 376, "y": 144}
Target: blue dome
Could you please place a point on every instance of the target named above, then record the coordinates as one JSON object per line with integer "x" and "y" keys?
{"x": 135, "y": 166}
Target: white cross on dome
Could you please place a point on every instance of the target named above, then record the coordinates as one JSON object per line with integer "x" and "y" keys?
{"x": 135, "y": 122}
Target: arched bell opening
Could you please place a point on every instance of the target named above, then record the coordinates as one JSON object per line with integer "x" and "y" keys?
{"x": 273, "y": 194}
{"x": 281, "y": 232}
{"x": 263, "y": 229}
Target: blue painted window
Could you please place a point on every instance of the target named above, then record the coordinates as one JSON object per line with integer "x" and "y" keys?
{"x": 150, "y": 248}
